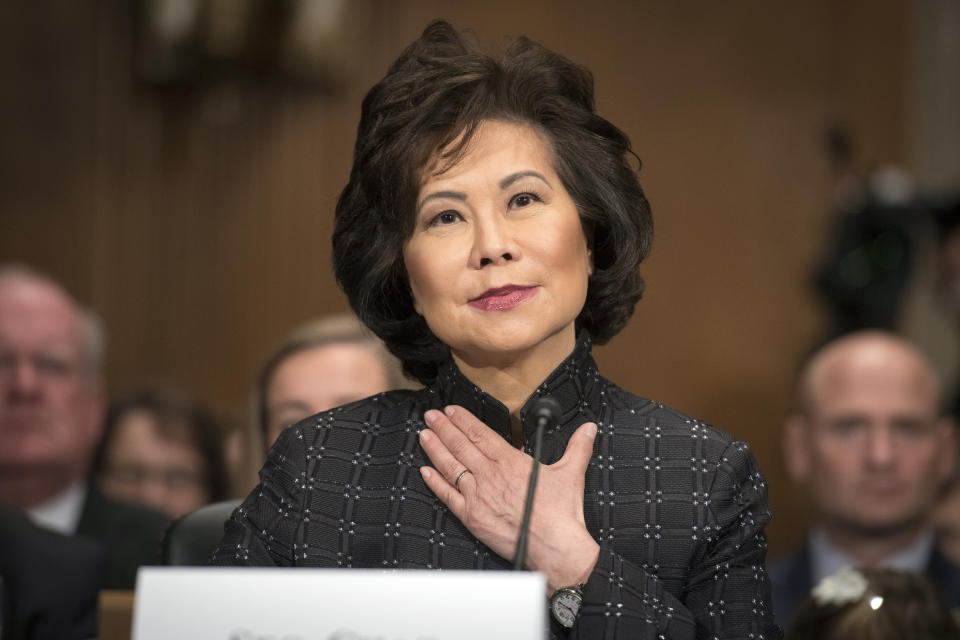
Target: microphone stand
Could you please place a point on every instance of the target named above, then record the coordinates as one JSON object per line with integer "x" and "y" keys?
{"x": 546, "y": 410}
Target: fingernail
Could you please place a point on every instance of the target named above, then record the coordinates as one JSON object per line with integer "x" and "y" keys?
{"x": 425, "y": 472}
{"x": 592, "y": 430}
{"x": 430, "y": 417}
{"x": 449, "y": 411}
{"x": 425, "y": 435}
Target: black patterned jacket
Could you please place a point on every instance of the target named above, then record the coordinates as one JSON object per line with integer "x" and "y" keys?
{"x": 677, "y": 506}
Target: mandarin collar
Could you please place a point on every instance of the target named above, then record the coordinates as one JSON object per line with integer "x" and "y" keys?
{"x": 574, "y": 384}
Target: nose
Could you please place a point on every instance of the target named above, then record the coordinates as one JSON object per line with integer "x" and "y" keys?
{"x": 881, "y": 449}
{"x": 154, "y": 493}
{"x": 493, "y": 242}
{"x": 23, "y": 379}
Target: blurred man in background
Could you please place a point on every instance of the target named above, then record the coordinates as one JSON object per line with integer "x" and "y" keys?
{"x": 869, "y": 442}
{"x": 323, "y": 364}
{"x": 51, "y": 412}
{"x": 48, "y": 582}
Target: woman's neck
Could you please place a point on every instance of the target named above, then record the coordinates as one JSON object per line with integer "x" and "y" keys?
{"x": 512, "y": 377}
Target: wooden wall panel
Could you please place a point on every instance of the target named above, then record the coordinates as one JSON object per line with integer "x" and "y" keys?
{"x": 198, "y": 224}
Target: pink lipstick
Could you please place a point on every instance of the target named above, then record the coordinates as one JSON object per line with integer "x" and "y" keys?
{"x": 502, "y": 298}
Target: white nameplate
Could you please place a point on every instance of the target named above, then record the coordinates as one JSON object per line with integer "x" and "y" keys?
{"x": 237, "y": 603}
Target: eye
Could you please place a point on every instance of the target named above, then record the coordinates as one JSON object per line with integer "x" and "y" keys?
{"x": 525, "y": 199}
{"x": 127, "y": 474}
{"x": 52, "y": 365}
{"x": 913, "y": 429}
{"x": 180, "y": 479}
{"x": 445, "y": 218}
{"x": 846, "y": 427}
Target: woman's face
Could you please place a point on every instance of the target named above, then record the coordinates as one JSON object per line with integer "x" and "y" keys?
{"x": 147, "y": 466}
{"x": 498, "y": 261}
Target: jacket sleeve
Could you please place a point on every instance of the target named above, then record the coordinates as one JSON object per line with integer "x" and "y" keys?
{"x": 727, "y": 595}
{"x": 263, "y": 530}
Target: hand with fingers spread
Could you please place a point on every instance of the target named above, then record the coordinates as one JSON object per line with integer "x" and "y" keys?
{"x": 483, "y": 480}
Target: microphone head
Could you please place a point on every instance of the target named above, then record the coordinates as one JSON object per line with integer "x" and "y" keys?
{"x": 545, "y": 407}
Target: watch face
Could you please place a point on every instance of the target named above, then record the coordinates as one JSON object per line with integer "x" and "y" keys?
{"x": 565, "y": 606}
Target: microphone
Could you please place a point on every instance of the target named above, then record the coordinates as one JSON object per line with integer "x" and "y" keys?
{"x": 546, "y": 411}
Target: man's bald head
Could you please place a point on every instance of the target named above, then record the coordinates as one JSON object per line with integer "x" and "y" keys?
{"x": 866, "y": 353}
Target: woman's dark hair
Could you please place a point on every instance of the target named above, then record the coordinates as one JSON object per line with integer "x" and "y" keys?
{"x": 177, "y": 417}
{"x": 895, "y": 605}
{"x": 433, "y": 98}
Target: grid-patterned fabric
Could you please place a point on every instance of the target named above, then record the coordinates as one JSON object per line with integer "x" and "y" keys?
{"x": 677, "y": 506}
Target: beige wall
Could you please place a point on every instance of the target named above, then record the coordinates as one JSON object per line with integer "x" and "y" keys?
{"x": 199, "y": 225}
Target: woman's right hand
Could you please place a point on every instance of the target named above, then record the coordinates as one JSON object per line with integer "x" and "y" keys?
{"x": 490, "y": 499}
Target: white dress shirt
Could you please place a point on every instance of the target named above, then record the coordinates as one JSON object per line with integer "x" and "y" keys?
{"x": 826, "y": 559}
{"x": 62, "y": 512}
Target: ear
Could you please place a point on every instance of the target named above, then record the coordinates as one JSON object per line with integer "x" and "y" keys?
{"x": 947, "y": 447}
{"x": 796, "y": 447}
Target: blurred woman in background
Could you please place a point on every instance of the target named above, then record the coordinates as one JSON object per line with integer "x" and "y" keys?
{"x": 161, "y": 450}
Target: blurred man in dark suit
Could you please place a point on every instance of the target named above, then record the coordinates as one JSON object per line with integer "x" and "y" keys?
{"x": 51, "y": 412}
{"x": 871, "y": 445}
{"x": 48, "y": 582}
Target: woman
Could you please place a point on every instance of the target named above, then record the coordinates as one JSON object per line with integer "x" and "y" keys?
{"x": 161, "y": 450}
{"x": 491, "y": 230}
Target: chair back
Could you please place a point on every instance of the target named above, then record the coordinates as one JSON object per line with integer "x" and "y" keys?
{"x": 191, "y": 540}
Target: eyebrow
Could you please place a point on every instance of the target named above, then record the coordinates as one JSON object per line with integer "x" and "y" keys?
{"x": 506, "y": 182}
{"x": 513, "y": 177}
{"x": 455, "y": 195}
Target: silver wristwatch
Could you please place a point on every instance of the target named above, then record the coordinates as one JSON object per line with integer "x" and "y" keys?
{"x": 565, "y": 604}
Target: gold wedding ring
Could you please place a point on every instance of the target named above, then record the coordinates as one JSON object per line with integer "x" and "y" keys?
{"x": 456, "y": 483}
